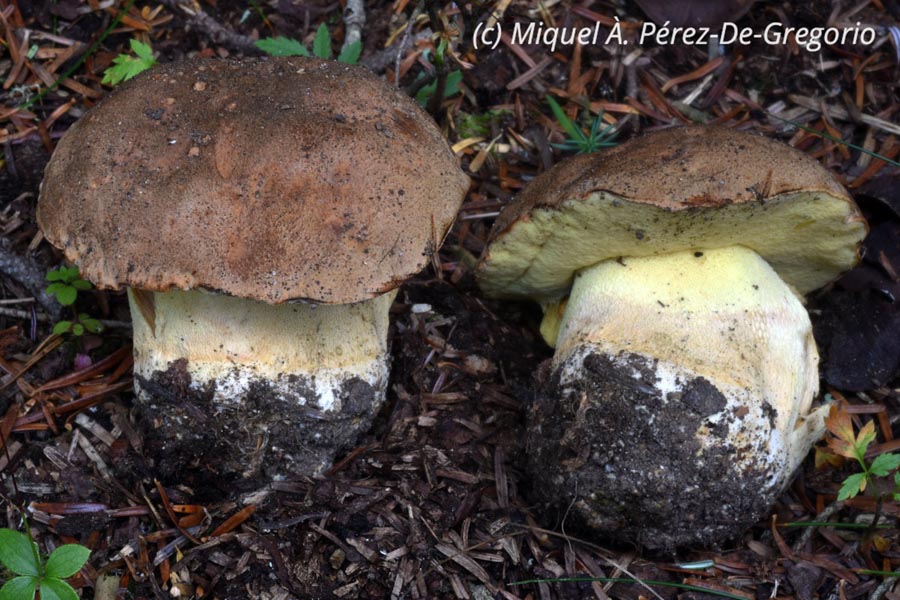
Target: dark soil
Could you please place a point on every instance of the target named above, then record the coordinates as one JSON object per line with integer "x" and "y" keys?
{"x": 629, "y": 463}
{"x": 222, "y": 448}
{"x": 437, "y": 498}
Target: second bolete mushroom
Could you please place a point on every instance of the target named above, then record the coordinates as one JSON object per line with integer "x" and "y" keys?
{"x": 262, "y": 213}
{"x": 670, "y": 269}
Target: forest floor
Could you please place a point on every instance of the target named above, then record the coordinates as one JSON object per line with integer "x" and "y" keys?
{"x": 434, "y": 500}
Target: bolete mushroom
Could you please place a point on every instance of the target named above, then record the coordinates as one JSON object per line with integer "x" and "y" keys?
{"x": 680, "y": 394}
{"x": 262, "y": 213}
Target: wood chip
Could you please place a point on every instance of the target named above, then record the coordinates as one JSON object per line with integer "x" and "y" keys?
{"x": 88, "y": 448}
{"x": 837, "y": 112}
{"x": 95, "y": 428}
{"x": 369, "y": 554}
{"x": 464, "y": 561}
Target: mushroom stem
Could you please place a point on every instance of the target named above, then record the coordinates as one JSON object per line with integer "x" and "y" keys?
{"x": 306, "y": 378}
{"x": 689, "y": 369}
{"x": 304, "y": 352}
{"x": 723, "y": 315}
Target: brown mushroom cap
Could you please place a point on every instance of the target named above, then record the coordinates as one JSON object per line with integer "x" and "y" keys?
{"x": 672, "y": 190}
{"x": 266, "y": 178}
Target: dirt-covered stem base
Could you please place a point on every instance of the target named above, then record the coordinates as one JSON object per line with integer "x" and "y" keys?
{"x": 245, "y": 387}
{"x": 679, "y": 401}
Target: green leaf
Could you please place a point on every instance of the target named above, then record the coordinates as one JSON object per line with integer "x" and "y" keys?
{"x": 322, "y": 42}
{"x": 17, "y": 554}
{"x": 425, "y": 93}
{"x": 852, "y": 486}
{"x": 71, "y": 274}
{"x": 67, "y": 295}
{"x": 20, "y": 588}
{"x": 66, "y": 560}
{"x": 55, "y": 275}
{"x": 142, "y": 50}
{"x": 884, "y": 464}
{"x": 78, "y": 329}
{"x": 125, "y": 66}
{"x": 62, "y": 327}
{"x": 56, "y": 589}
{"x": 865, "y": 437}
{"x": 451, "y": 87}
{"x": 440, "y": 53}
{"x": 92, "y": 325}
{"x": 350, "y": 54}
{"x": 453, "y": 80}
{"x": 55, "y": 288}
{"x": 282, "y": 46}
{"x": 81, "y": 284}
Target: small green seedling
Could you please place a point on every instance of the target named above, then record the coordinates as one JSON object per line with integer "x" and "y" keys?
{"x": 844, "y": 442}
{"x": 82, "y": 323}
{"x": 282, "y": 46}
{"x": 480, "y": 125}
{"x": 65, "y": 284}
{"x": 125, "y": 66}
{"x": 578, "y": 141}
{"x": 451, "y": 89}
{"x": 451, "y": 79}
{"x": 20, "y": 555}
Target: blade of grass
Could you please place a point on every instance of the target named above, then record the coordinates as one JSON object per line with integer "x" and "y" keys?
{"x": 831, "y": 138}
{"x": 564, "y": 121}
{"x": 835, "y": 525}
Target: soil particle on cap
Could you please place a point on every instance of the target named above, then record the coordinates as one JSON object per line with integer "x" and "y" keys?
{"x": 244, "y": 445}
{"x": 627, "y": 461}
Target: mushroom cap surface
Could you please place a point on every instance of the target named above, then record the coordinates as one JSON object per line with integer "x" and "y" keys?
{"x": 273, "y": 179}
{"x": 668, "y": 191}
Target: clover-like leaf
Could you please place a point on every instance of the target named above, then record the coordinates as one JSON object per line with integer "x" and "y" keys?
{"x": 19, "y": 588}
{"x": 17, "y": 553}
{"x": 66, "y": 560}
{"x": 56, "y": 589}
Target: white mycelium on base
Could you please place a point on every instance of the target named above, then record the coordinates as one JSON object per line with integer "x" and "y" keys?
{"x": 722, "y": 315}
{"x": 304, "y": 353}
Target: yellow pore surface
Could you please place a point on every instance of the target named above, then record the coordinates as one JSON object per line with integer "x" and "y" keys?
{"x": 809, "y": 238}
